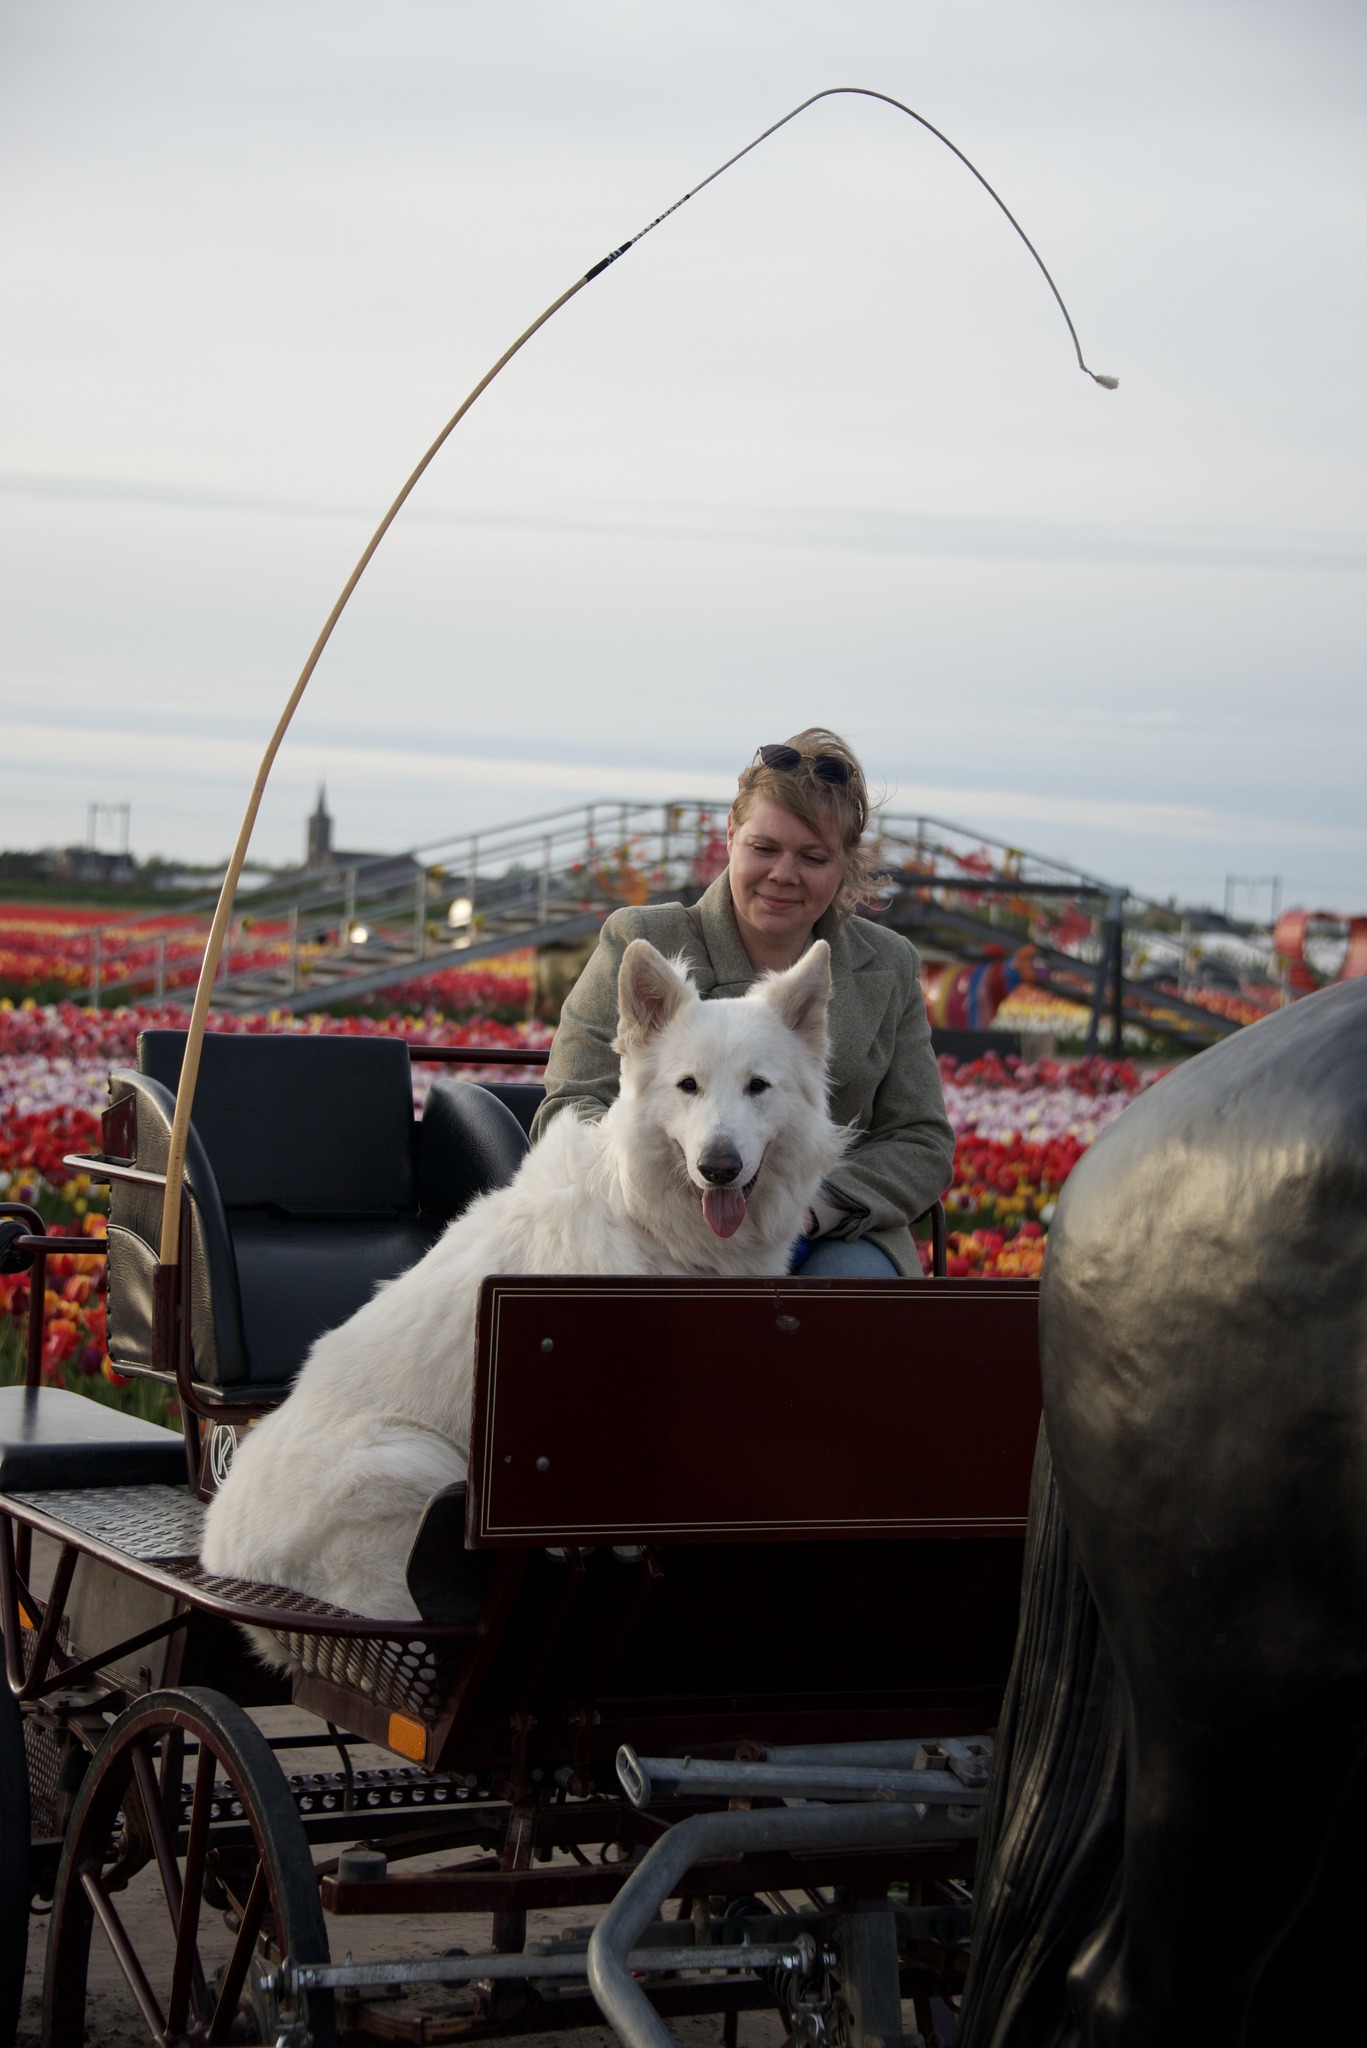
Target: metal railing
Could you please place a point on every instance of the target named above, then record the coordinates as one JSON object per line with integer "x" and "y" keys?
{"x": 332, "y": 934}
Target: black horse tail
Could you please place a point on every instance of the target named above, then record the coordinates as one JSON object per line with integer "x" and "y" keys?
{"x": 1049, "y": 1862}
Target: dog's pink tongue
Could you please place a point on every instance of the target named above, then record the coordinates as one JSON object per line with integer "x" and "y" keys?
{"x": 724, "y": 1209}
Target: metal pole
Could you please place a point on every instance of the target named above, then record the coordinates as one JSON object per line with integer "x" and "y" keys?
{"x": 522, "y": 1968}
{"x": 349, "y": 907}
{"x": 543, "y": 896}
{"x": 160, "y": 992}
{"x": 472, "y": 880}
{"x": 696, "y": 1777}
{"x": 620, "y": 1998}
{"x": 971, "y": 1754}
{"x": 1118, "y": 974}
{"x": 1107, "y": 949}
{"x": 419, "y": 913}
{"x": 294, "y": 949}
{"x": 96, "y": 967}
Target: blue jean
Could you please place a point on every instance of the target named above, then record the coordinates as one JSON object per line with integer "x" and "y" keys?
{"x": 831, "y": 1258}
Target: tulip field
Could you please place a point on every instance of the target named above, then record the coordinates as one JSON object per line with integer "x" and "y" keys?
{"x": 1021, "y": 1129}
{"x": 45, "y": 953}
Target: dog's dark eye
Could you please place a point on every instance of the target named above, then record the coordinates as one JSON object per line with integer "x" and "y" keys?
{"x": 689, "y": 1085}
{"x": 757, "y": 1086}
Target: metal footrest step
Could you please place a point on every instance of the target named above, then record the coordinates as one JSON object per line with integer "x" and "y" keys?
{"x": 367, "y": 1792}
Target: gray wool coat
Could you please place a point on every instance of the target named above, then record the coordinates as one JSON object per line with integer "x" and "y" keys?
{"x": 884, "y": 1079}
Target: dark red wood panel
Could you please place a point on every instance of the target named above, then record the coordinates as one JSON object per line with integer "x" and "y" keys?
{"x": 618, "y": 1411}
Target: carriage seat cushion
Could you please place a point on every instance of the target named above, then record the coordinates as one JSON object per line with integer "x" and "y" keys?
{"x": 50, "y": 1438}
{"x": 523, "y": 1098}
{"x": 298, "y": 1278}
{"x": 308, "y": 1126}
{"x": 469, "y": 1143}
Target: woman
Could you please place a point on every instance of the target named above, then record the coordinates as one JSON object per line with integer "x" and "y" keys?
{"x": 796, "y": 868}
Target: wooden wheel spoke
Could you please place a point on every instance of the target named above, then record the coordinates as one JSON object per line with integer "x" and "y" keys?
{"x": 187, "y": 1978}
{"x": 182, "y": 1898}
{"x": 235, "y": 1977}
{"x": 163, "y": 1847}
{"x": 281, "y": 1902}
{"x": 92, "y": 1884}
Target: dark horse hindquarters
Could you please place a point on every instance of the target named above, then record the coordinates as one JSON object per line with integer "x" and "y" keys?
{"x": 1204, "y": 1356}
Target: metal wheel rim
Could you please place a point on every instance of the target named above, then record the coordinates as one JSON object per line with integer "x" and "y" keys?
{"x": 283, "y": 1894}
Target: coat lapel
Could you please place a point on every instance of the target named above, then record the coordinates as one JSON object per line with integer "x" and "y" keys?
{"x": 861, "y": 995}
{"x": 726, "y": 956}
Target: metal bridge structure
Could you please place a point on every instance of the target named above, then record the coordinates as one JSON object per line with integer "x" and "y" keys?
{"x": 341, "y": 933}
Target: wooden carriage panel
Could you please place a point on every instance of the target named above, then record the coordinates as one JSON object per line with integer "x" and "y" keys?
{"x": 636, "y": 1411}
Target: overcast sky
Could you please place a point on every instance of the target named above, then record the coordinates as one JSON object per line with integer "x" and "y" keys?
{"x": 817, "y": 451}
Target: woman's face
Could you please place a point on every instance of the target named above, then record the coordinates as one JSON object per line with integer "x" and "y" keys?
{"x": 783, "y": 876}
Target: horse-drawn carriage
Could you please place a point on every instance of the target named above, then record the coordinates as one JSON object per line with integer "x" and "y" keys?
{"x": 722, "y": 1616}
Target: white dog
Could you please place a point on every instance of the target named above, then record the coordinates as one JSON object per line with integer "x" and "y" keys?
{"x": 705, "y": 1164}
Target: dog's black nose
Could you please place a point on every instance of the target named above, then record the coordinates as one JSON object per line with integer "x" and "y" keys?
{"x": 720, "y": 1166}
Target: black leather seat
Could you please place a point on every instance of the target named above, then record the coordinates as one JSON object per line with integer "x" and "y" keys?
{"x": 52, "y": 1439}
{"x": 310, "y": 1181}
{"x": 523, "y": 1098}
{"x": 468, "y": 1142}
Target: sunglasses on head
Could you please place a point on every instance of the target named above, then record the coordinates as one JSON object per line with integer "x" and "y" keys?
{"x": 829, "y": 767}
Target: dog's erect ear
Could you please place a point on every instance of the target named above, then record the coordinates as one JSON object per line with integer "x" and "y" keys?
{"x": 800, "y": 994}
{"x": 650, "y": 990}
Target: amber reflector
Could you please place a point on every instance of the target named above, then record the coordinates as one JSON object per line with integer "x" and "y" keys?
{"x": 409, "y": 1738}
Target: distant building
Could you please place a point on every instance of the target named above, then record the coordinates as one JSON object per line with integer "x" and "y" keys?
{"x": 86, "y": 864}
{"x": 320, "y": 855}
{"x": 318, "y": 843}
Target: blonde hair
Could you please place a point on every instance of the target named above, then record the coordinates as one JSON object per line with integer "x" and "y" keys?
{"x": 838, "y": 812}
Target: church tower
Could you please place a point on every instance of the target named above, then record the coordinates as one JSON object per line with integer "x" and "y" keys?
{"x": 319, "y": 843}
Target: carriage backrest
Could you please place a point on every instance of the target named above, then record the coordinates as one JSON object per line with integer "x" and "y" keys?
{"x": 311, "y": 1183}
{"x": 308, "y": 1126}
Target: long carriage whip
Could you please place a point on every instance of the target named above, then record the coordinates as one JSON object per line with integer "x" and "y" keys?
{"x": 194, "y": 1040}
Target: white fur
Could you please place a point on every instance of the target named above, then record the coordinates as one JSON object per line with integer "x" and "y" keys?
{"x": 326, "y": 1493}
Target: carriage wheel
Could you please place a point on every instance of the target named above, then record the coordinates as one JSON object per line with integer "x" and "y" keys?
{"x": 14, "y": 1863}
{"x": 205, "y": 1984}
